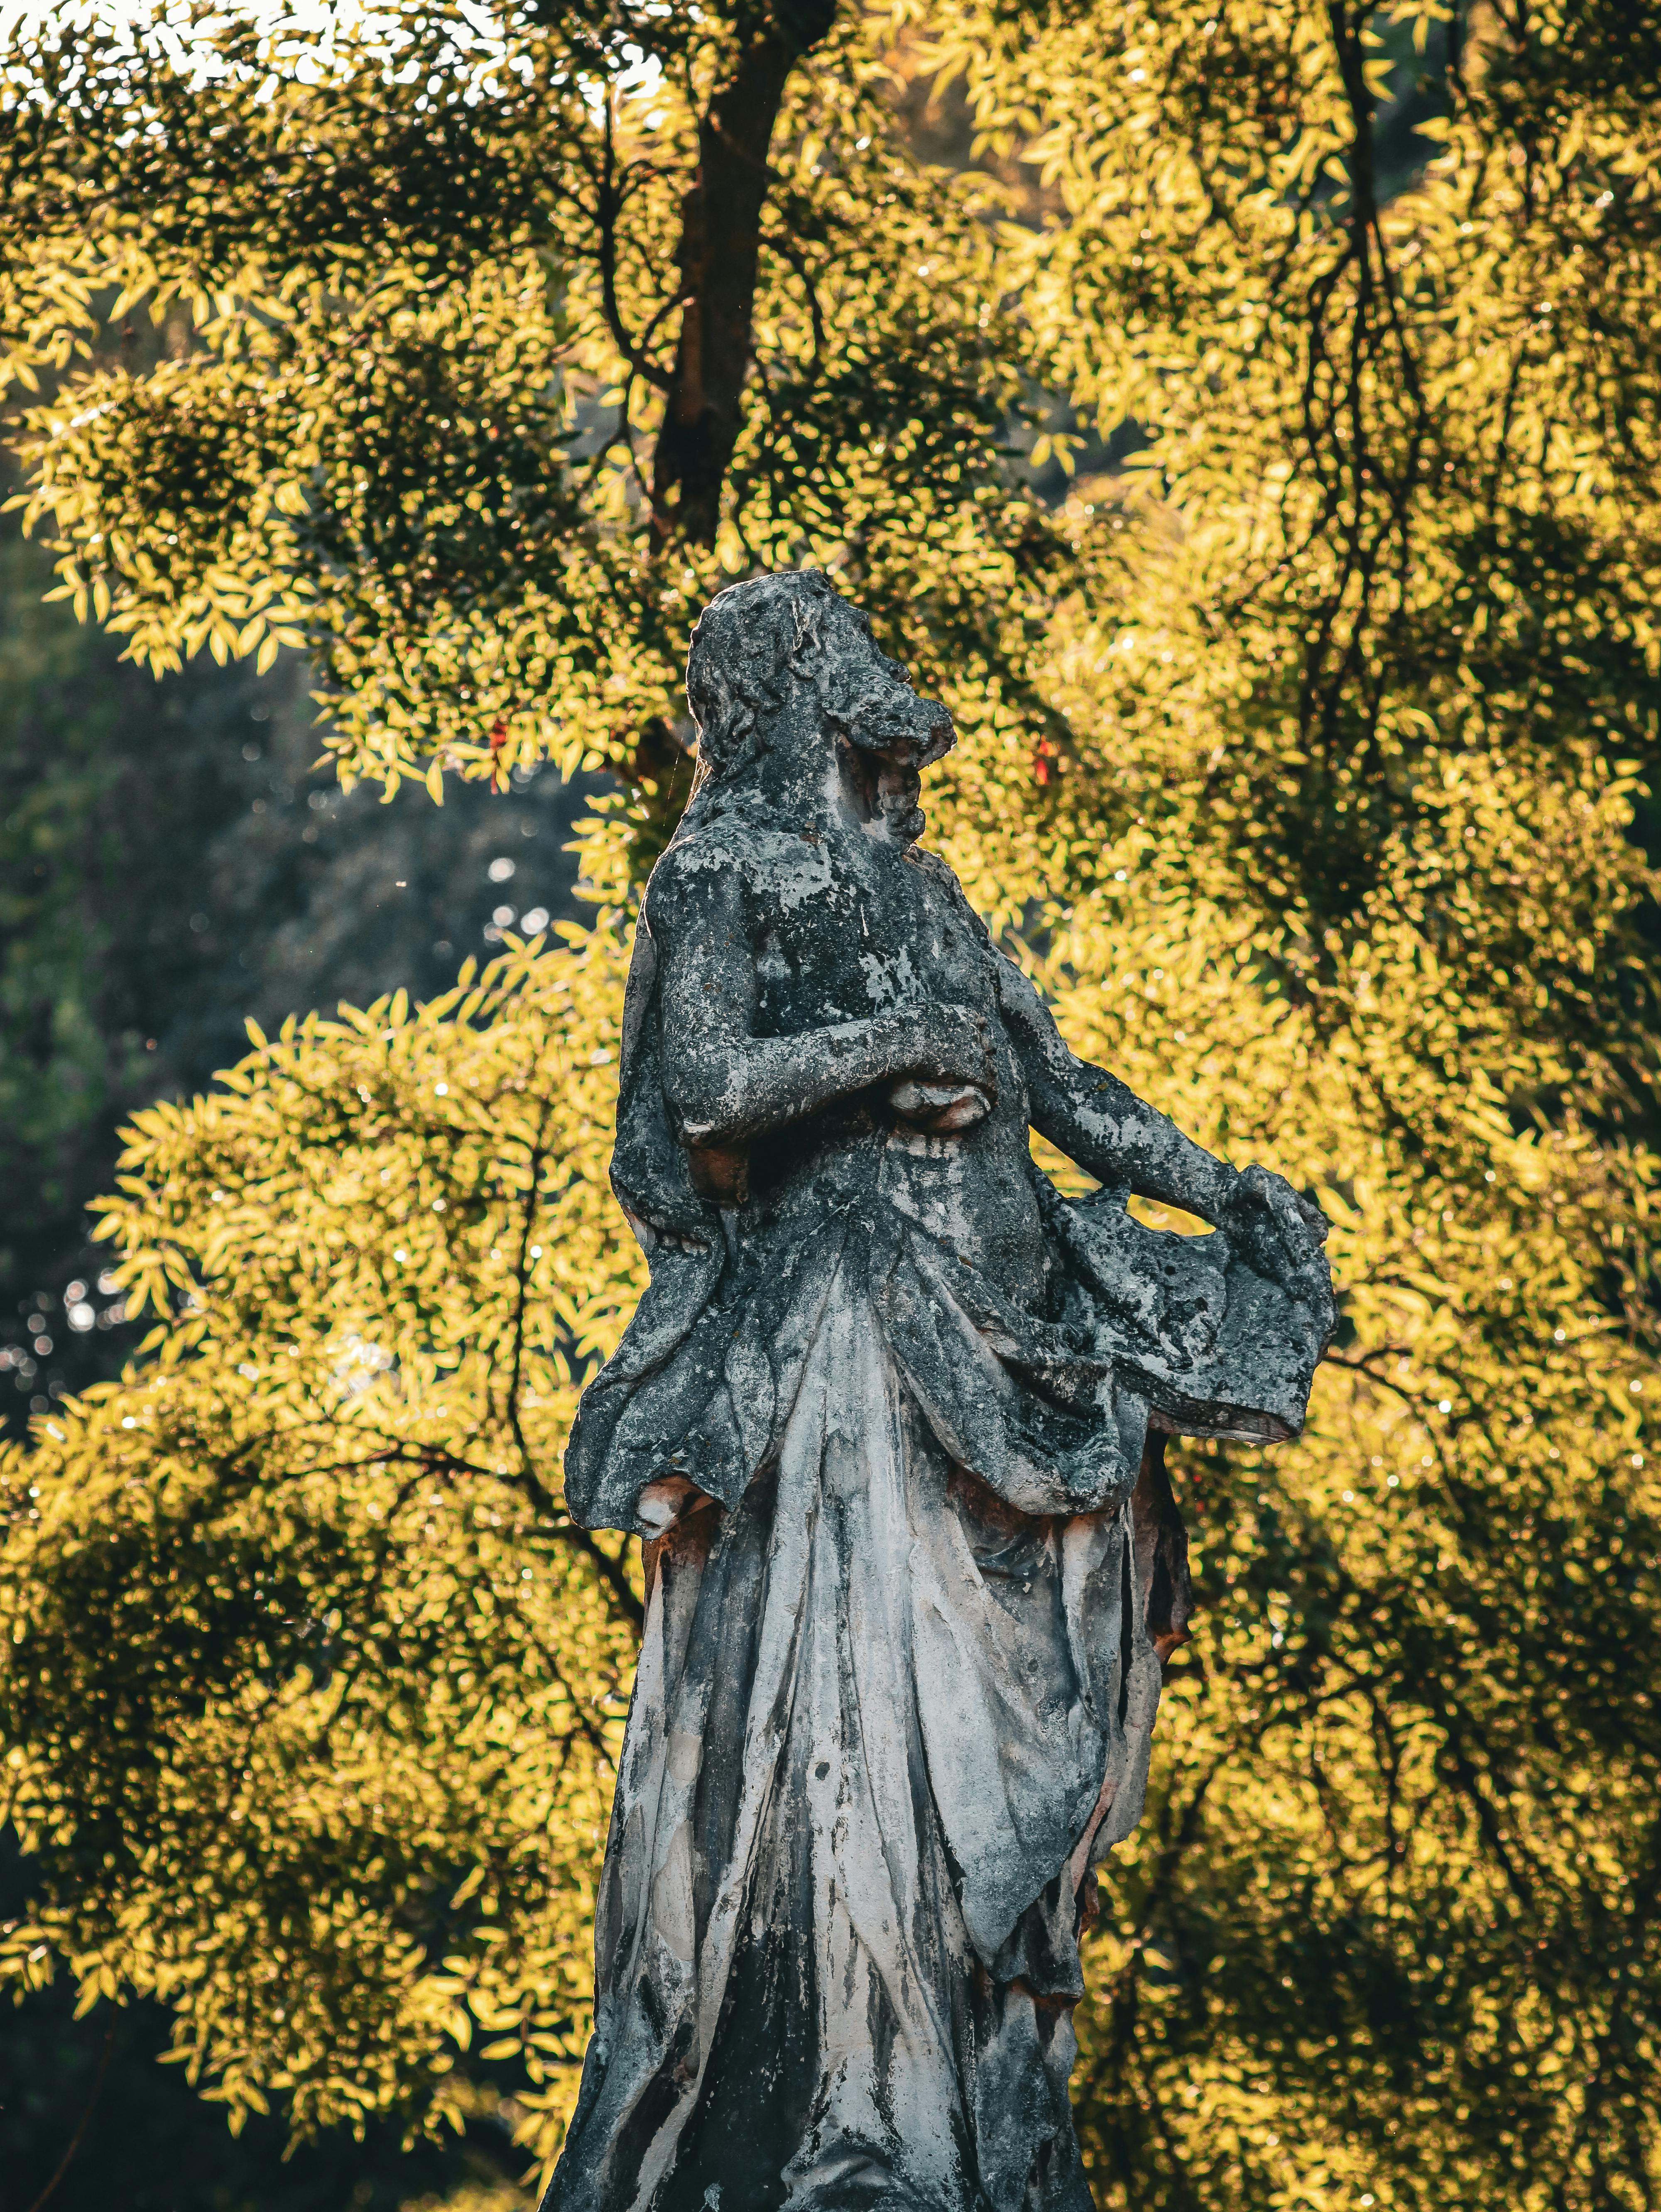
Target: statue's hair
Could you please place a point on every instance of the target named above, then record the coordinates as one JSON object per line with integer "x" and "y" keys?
{"x": 745, "y": 643}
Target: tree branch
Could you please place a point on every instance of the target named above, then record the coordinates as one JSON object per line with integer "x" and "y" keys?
{"x": 719, "y": 255}
{"x": 80, "y": 2128}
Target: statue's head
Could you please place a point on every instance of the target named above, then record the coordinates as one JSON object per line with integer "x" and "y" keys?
{"x": 783, "y": 665}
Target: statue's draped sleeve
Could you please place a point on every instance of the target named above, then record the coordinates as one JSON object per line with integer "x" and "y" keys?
{"x": 651, "y": 1173}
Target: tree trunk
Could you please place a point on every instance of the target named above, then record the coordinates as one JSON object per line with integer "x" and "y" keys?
{"x": 720, "y": 249}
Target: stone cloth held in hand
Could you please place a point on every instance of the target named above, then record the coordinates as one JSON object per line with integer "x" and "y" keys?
{"x": 891, "y": 1420}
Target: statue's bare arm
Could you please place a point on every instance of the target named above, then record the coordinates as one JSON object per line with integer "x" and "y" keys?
{"x": 1099, "y": 1121}
{"x": 725, "y": 1085}
{"x": 1114, "y": 1135}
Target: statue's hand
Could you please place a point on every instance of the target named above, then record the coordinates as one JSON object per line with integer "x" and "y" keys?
{"x": 940, "y": 1108}
{"x": 951, "y": 1079}
{"x": 671, "y": 1499}
{"x": 658, "y": 1235}
{"x": 1278, "y": 1234}
{"x": 952, "y": 1046}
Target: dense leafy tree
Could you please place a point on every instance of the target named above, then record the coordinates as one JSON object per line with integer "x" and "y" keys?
{"x": 171, "y": 864}
{"x": 132, "y": 809}
{"x": 1299, "y": 761}
{"x": 537, "y": 332}
{"x": 87, "y": 2114}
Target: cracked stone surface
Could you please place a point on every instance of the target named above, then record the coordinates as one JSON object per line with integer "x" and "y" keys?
{"x": 891, "y": 1420}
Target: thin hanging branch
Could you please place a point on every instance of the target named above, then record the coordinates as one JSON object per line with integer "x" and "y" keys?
{"x": 81, "y": 2126}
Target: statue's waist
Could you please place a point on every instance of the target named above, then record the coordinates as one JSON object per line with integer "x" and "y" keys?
{"x": 980, "y": 1206}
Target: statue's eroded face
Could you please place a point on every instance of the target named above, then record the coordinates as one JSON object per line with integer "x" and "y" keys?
{"x": 886, "y": 734}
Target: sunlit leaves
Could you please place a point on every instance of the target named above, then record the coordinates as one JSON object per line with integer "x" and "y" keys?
{"x": 416, "y": 294}
{"x": 297, "y": 1624}
{"x": 1410, "y": 440}
{"x": 1301, "y": 759}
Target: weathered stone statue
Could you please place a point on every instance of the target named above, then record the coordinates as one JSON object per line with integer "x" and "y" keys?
{"x": 883, "y": 1418}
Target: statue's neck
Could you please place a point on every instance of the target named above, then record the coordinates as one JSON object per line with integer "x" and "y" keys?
{"x": 798, "y": 779}
{"x": 798, "y": 775}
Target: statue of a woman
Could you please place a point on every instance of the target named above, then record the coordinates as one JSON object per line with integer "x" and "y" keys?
{"x": 880, "y": 1417}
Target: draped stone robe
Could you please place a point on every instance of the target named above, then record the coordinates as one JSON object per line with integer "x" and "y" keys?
{"x": 902, "y": 1651}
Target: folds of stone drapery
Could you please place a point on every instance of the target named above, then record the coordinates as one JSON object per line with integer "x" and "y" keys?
{"x": 885, "y": 1721}
{"x": 705, "y": 1380}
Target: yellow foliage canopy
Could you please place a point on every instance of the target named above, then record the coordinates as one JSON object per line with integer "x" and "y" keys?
{"x": 1304, "y": 762}
{"x": 335, "y": 1688}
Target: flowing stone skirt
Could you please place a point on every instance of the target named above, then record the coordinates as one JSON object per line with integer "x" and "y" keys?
{"x": 884, "y": 1726}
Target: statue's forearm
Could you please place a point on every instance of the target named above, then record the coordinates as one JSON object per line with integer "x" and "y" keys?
{"x": 724, "y": 1084}
{"x": 1114, "y": 1135}
{"x": 728, "y": 1091}
{"x": 1099, "y": 1121}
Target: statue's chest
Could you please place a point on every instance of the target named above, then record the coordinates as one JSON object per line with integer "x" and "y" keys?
{"x": 869, "y": 939}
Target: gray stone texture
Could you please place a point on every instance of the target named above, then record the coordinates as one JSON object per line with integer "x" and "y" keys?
{"x": 890, "y": 1420}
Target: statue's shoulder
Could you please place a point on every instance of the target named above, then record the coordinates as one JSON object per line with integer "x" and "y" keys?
{"x": 718, "y": 866}
{"x": 943, "y": 884}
